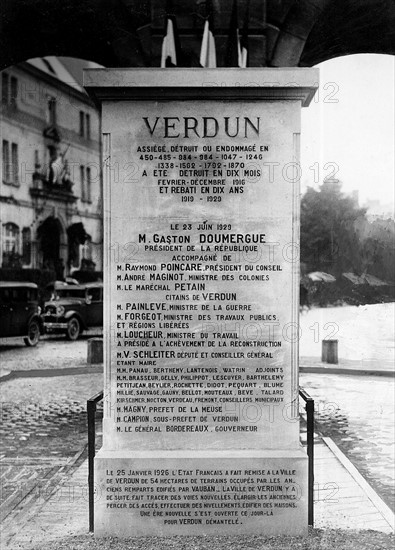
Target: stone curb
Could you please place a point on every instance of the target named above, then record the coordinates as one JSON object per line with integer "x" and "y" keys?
{"x": 29, "y": 506}
{"x": 381, "y": 506}
{"x": 4, "y": 374}
{"x": 45, "y": 373}
{"x": 345, "y": 370}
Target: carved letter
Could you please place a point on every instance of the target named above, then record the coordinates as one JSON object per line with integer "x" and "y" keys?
{"x": 167, "y": 126}
{"x": 194, "y": 123}
{"x": 205, "y": 129}
{"x": 255, "y": 128}
{"x": 151, "y": 130}
{"x": 227, "y": 126}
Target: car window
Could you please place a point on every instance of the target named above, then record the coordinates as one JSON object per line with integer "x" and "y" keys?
{"x": 5, "y": 296}
{"x": 70, "y": 293}
{"x": 95, "y": 294}
{"x": 19, "y": 294}
{"x": 31, "y": 294}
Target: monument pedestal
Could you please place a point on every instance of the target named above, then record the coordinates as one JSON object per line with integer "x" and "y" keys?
{"x": 201, "y": 224}
{"x": 200, "y": 493}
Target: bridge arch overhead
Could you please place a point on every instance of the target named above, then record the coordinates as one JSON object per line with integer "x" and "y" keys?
{"x": 128, "y": 33}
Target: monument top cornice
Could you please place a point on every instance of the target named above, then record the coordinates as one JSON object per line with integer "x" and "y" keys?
{"x": 270, "y": 84}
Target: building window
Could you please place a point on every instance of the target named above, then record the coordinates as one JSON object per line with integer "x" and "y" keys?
{"x": 86, "y": 249}
{"x": 87, "y": 263}
{"x": 11, "y": 243}
{"x": 85, "y": 125}
{"x": 52, "y": 111}
{"x": 26, "y": 245}
{"x": 82, "y": 178}
{"x": 6, "y": 162}
{"x": 37, "y": 164}
{"x": 4, "y": 88}
{"x": 14, "y": 91}
{"x": 82, "y": 124}
{"x": 10, "y": 166}
{"x": 88, "y": 185}
{"x": 15, "y": 164}
{"x": 88, "y": 126}
{"x": 9, "y": 89}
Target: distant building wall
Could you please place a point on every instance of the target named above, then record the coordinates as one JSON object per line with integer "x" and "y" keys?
{"x": 50, "y": 192}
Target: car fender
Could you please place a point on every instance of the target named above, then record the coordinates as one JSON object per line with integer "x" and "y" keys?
{"x": 72, "y": 313}
{"x": 36, "y": 317}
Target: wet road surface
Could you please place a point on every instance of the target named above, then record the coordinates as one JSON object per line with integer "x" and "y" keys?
{"x": 51, "y": 352}
{"x": 44, "y": 419}
{"x": 357, "y": 412}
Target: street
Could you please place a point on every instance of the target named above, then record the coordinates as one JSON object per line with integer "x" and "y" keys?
{"x": 45, "y": 417}
{"x": 364, "y": 333}
{"x": 51, "y": 352}
{"x": 357, "y": 412}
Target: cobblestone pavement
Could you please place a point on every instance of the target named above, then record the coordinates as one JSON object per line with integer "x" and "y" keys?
{"x": 43, "y": 427}
{"x": 51, "y": 352}
{"x": 357, "y": 412}
{"x": 43, "y": 420}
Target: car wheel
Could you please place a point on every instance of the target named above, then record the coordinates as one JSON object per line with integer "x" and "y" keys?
{"x": 73, "y": 329}
{"x": 33, "y": 334}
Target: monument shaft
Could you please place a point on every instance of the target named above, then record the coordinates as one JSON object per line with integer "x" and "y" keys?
{"x": 201, "y": 188}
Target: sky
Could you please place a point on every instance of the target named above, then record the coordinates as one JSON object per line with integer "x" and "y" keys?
{"x": 348, "y": 129}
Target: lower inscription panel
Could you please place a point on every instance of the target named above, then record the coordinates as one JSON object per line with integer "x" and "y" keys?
{"x": 200, "y": 492}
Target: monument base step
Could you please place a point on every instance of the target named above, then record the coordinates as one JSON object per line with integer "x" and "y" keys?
{"x": 200, "y": 492}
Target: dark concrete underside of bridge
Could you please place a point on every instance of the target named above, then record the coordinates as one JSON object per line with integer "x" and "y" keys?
{"x": 128, "y": 33}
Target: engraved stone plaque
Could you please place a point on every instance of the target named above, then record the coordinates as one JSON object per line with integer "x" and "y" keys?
{"x": 201, "y": 187}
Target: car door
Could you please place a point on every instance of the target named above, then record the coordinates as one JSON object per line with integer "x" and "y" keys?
{"x": 6, "y": 311}
{"x": 21, "y": 310}
{"x": 31, "y": 306}
{"x": 94, "y": 307}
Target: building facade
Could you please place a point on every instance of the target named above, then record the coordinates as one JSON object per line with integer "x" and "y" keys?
{"x": 50, "y": 195}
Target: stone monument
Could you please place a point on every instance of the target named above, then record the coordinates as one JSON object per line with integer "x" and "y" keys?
{"x": 201, "y": 221}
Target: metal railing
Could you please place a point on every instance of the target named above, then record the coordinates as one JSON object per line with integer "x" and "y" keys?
{"x": 310, "y": 451}
{"x": 91, "y": 410}
{"x": 91, "y": 405}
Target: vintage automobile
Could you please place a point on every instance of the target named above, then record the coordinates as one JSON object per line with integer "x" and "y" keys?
{"x": 73, "y": 309}
{"x": 20, "y": 312}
